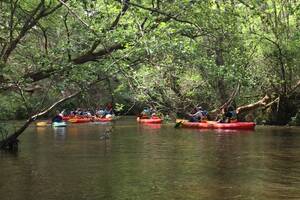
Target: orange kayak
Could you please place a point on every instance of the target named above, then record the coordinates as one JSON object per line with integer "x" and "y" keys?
{"x": 66, "y": 118}
{"x": 79, "y": 120}
{"x": 150, "y": 120}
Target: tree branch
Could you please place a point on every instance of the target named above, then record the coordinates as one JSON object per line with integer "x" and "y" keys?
{"x": 261, "y": 103}
{"x": 295, "y": 87}
{"x": 78, "y": 17}
{"x": 228, "y": 102}
{"x": 68, "y": 36}
{"x": 13, "y": 138}
{"x": 93, "y": 56}
{"x": 122, "y": 12}
{"x": 39, "y": 12}
{"x": 160, "y": 12}
{"x": 44, "y": 31}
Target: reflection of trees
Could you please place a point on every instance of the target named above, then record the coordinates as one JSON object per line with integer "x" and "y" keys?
{"x": 166, "y": 163}
{"x": 281, "y": 177}
{"x": 227, "y": 171}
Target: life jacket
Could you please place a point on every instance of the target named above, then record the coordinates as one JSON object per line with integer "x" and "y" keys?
{"x": 233, "y": 115}
{"x": 204, "y": 113}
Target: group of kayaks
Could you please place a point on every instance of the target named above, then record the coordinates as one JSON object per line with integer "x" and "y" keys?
{"x": 85, "y": 120}
{"x": 72, "y": 119}
{"x": 156, "y": 120}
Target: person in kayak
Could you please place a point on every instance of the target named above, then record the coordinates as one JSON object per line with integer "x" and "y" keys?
{"x": 88, "y": 114}
{"x": 198, "y": 115}
{"x": 228, "y": 115}
{"x": 146, "y": 113}
{"x": 231, "y": 114}
{"x": 109, "y": 110}
{"x": 154, "y": 116}
{"x": 58, "y": 117}
{"x": 100, "y": 113}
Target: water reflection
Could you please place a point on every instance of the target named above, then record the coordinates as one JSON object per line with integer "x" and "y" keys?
{"x": 60, "y": 133}
{"x": 282, "y": 176}
{"x": 41, "y": 130}
{"x": 150, "y": 128}
{"x": 102, "y": 123}
{"x": 74, "y": 163}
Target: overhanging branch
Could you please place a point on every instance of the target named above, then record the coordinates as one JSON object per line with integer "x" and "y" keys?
{"x": 174, "y": 17}
{"x": 92, "y": 56}
{"x": 13, "y": 138}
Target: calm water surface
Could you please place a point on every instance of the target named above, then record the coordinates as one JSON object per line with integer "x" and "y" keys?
{"x": 152, "y": 162}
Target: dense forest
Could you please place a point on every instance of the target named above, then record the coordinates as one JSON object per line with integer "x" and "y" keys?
{"x": 167, "y": 54}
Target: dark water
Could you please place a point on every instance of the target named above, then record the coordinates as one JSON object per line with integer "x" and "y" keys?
{"x": 152, "y": 162}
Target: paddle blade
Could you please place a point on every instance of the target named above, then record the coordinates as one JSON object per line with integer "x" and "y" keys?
{"x": 178, "y": 124}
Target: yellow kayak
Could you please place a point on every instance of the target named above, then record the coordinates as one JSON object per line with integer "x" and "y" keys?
{"x": 41, "y": 124}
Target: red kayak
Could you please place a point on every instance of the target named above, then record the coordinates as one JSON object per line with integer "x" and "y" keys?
{"x": 217, "y": 125}
{"x": 79, "y": 120}
{"x": 155, "y": 120}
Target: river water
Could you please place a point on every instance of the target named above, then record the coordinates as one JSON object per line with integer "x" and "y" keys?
{"x": 152, "y": 162}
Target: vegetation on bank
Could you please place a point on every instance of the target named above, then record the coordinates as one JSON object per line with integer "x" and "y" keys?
{"x": 171, "y": 55}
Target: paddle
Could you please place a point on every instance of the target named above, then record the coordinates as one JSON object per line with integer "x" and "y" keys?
{"x": 178, "y": 124}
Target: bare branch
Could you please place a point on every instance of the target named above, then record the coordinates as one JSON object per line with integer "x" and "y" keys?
{"x": 68, "y": 36}
{"x": 92, "y": 56}
{"x": 228, "y": 102}
{"x": 21, "y": 91}
{"x": 174, "y": 17}
{"x": 295, "y": 87}
{"x": 78, "y": 17}
{"x": 39, "y": 12}
{"x": 122, "y": 12}
{"x": 12, "y": 138}
{"x": 261, "y": 103}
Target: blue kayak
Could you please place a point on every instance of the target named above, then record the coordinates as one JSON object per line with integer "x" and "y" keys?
{"x": 59, "y": 124}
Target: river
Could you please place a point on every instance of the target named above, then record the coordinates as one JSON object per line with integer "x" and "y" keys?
{"x": 152, "y": 162}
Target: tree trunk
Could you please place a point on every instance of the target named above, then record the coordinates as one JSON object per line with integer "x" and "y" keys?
{"x": 221, "y": 85}
{"x": 11, "y": 143}
{"x": 282, "y": 112}
{"x": 281, "y": 109}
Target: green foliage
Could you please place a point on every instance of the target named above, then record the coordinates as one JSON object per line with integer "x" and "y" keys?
{"x": 5, "y": 129}
{"x": 173, "y": 55}
{"x": 3, "y": 132}
{"x": 295, "y": 121}
{"x": 119, "y": 107}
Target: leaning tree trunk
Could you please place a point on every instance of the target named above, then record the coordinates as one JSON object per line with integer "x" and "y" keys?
{"x": 279, "y": 109}
{"x": 11, "y": 143}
